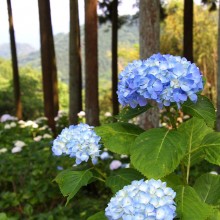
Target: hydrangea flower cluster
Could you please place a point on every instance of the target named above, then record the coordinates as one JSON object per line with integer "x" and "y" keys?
{"x": 149, "y": 199}
{"x": 162, "y": 78}
{"x": 79, "y": 141}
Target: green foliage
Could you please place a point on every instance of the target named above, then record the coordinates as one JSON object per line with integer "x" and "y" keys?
{"x": 203, "y": 109}
{"x": 98, "y": 216}
{"x": 190, "y": 206}
{"x": 195, "y": 129}
{"x": 27, "y": 190}
{"x": 71, "y": 181}
{"x": 211, "y": 147}
{"x": 129, "y": 113}
{"x": 121, "y": 178}
{"x": 118, "y": 137}
{"x": 157, "y": 152}
{"x": 31, "y": 91}
{"x": 208, "y": 188}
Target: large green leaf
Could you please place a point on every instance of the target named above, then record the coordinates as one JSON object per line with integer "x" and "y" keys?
{"x": 157, "y": 152}
{"x": 203, "y": 108}
{"x": 71, "y": 181}
{"x": 118, "y": 137}
{"x": 190, "y": 206}
{"x": 208, "y": 188}
{"x": 98, "y": 216}
{"x": 195, "y": 130}
{"x": 121, "y": 178}
{"x": 129, "y": 113}
{"x": 211, "y": 147}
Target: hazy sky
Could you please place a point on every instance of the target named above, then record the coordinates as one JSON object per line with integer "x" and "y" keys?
{"x": 25, "y": 14}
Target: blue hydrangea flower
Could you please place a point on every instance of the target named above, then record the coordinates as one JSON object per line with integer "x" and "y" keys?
{"x": 78, "y": 141}
{"x": 162, "y": 78}
{"x": 149, "y": 199}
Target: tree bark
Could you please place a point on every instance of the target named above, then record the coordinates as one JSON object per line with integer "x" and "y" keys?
{"x": 149, "y": 44}
{"x": 91, "y": 62}
{"x": 115, "y": 104}
{"x": 75, "y": 72}
{"x": 218, "y": 75}
{"x": 16, "y": 83}
{"x": 48, "y": 61}
{"x": 188, "y": 30}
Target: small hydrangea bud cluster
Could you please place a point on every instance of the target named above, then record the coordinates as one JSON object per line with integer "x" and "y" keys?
{"x": 79, "y": 141}
{"x": 149, "y": 199}
{"x": 162, "y": 78}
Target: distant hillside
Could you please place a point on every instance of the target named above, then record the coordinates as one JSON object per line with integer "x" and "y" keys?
{"x": 22, "y": 50}
{"x": 128, "y": 36}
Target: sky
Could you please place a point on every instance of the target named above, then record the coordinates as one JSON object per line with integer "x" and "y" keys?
{"x": 26, "y": 24}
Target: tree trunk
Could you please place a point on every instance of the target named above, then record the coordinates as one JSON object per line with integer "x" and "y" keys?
{"x": 149, "y": 44}
{"x": 218, "y": 74}
{"x": 17, "y": 93}
{"x": 115, "y": 57}
{"x": 188, "y": 30}
{"x": 91, "y": 62}
{"x": 75, "y": 73}
{"x": 48, "y": 61}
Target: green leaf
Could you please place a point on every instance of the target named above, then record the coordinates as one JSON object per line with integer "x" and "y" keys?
{"x": 215, "y": 215}
{"x": 172, "y": 180}
{"x": 195, "y": 130}
{"x": 98, "y": 216}
{"x": 3, "y": 216}
{"x": 190, "y": 206}
{"x": 121, "y": 178}
{"x": 208, "y": 188}
{"x": 71, "y": 181}
{"x": 118, "y": 137}
{"x": 157, "y": 152}
{"x": 211, "y": 147}
{"x": 129, "y": 113}
{"x": 203, "y": 109}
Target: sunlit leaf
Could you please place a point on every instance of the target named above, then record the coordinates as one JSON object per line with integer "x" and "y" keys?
{"x": 157, "y": 152}
{"x": 195, "y": 130}
{"x": 118, "y": 137}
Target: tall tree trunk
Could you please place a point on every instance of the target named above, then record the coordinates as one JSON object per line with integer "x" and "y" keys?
{"x": 115, "y": 56}
{"x": 91, "y": 62}
{"x": 75, "y": 72}
{"x": 17, "y": 93}
{"x": 188, "y": 30}
{"x": 218, "y": 74}
{"x": 48, "y": 61}
{"x": 149, "y": 44}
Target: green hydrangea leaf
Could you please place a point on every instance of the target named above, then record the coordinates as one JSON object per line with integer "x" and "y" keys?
{"x": 203, "y": 109}
{"x": 71, "y": 181}
{"x": 98, "y": 216}
{"x": 129, "y": 113}
{"x": 157, "y": 152}
{"x": 121, "y": 178}
{"x": 211, "y": 147}
{"x": 118, "y": 137}
{"x": 172, "y": 180}
{"x": 195, "y": 130}
{"x": 190, "y": 206}
{"x": 208, "y": 188}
